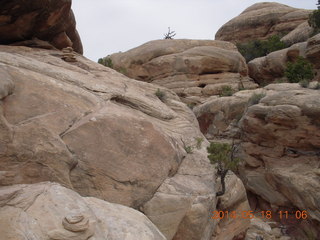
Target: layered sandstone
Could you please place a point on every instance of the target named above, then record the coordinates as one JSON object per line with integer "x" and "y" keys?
{"x": 194, "y": 69}
{"x": 29, "y": 22}
{"x": 106, "y": 136}
{"x": 49, "y": 211}
{"x": 262, "y": 20}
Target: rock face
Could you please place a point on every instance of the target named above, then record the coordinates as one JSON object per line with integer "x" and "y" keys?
{"x": 270, "y": 68}
{"x": 104, "y": 135}
{"x": 280, "y": 147}
{"x": 49, "y": 211}
{"x": 194, "y": 69}
{"x": 51, "y": 21}
{"x": 261, "y": 21}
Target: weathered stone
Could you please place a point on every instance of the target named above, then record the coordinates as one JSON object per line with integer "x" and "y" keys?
{"x": 103, "y": 135}
{"x": 300, "y": 34}
{"x": 51, "y": 21}
{"x": 313, "y": 50}
{"x": 194, "y": 69}
{"x": 48, "y": 211}
{"x": 261, "y": 21}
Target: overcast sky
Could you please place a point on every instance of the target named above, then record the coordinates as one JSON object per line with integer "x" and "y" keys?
{"x": 109, "y": 26}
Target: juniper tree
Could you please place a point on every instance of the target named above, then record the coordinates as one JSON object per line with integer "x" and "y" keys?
{"x": 222, "y": 154}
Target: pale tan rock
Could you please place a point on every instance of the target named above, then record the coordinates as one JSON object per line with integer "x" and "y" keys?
{"x": 261, "y": 21}
{"x": 49, "y": 211}
{"x": 313, "y": 50}
{"x": 191, "y": 68}
{"x": 271, "y": 68}
{"x": 300, "y": 34}
{"x": 102, "y": 134}
{"x": 232, "y": 203}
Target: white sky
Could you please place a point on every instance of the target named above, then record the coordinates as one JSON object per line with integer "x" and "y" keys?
{"x": 106, "y": 26}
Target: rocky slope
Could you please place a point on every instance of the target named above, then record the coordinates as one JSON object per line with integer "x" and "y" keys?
{"x": 49, "y": 211}
{"x": 194, "y": 69}
{"x": 41, "y": 23}
{"x": 263, "y": 20}
{"x": 68, "y": 123}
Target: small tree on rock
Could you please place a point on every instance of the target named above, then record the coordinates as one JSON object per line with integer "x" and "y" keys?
{"x": 222, "y": 154}
{"x": 170, "y": 34}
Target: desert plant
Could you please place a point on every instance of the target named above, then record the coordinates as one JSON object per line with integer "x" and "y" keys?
{"x": 199, "y": 142}
{"x": 170, "y": 34}
{"x": 314, "y": 20}
{"x": 106, "y": 61}
{"x": 317, "y": 86}
{"x": 226, "y": 91}
{"x": 222, "y": 155}
{"x": 160, "y": 94}
{"x": 299, "y": 70}
{"x": 259, "y": 48}
{"x": 188, "y": 149}
{"x": 304, "y": 83}
{"x": 255, "y": 98}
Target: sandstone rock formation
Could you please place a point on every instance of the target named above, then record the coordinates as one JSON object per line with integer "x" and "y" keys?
{"x": 261, "y": 21}
{"x": 103, "y": 135}
{"x": 51, "y": 21}
{"x": 49, "y": 211}
{"x": 271, "y": 68}
{"x": 234, "y": 201}
{"x": 194, "y": 69}
{"x": 280, "y": 147}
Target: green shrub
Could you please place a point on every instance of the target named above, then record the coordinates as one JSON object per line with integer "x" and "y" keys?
{"x": 259, "y": 48}
{"x": 221, "y": 154}
{"x": 160, "y": 94}
{"x": 199, "y": 141}
{"x": 106, "y": 61}
{"x": 304, "y": 83}
{"x": 317, "y": 87}
{"x": 314, "y": 20}
{"x": 255, "y": 98}
{"x": 299, "y": 70}
{"x": 226, "y": 91}
{"x": 188, "y": 149}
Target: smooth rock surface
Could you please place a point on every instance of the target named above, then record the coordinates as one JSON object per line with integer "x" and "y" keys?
{"x": 194, "y": 69}
{"x": 49, "y": 211}
{"x": 262, "y": 20}
{"x": 103, "y": 135}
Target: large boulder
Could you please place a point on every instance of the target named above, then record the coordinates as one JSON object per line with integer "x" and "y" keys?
{"x": 261, "y": 21}
{"x": 194, "y": 69}
{"x": 106, "y": 136}
{"x": 49, "y": 211}
{"x": 271, "y": 68}
{"x": 313, "y": 50}
{"x": 51, "y": 21}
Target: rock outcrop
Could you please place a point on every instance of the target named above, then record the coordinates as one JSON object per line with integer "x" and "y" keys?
{"x": 106, "y": 136}
{"x": 194, "y": 69}
{"x": 271, "y": 68}
{"x": 261, "y": 21}
{"x": 49, "y": 211}
{"x": 27, "y": 22}
{"x": 278, "y": 126}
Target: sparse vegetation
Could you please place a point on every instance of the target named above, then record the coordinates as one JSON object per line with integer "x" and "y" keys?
{"x": 314, "y": 20}
{"x": 160, "y": 94}
{"x": 122, "y": 70}
{"x": 222, "y": 154}
{"x": 299, "y": 70}
{"x": 191, "y": 105}
{"x": 259, "y": 48}
{"x": 170, "y": 34}
{"x": 199, "y": 142}
{"x": 106, "y": 61}
{"x": 188, "y": 149}
{"x": 317, "y": 86}
{"x": 304, "y": 83}
{"x": 255, "y": 98}
{"x": 226, "y": 91}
